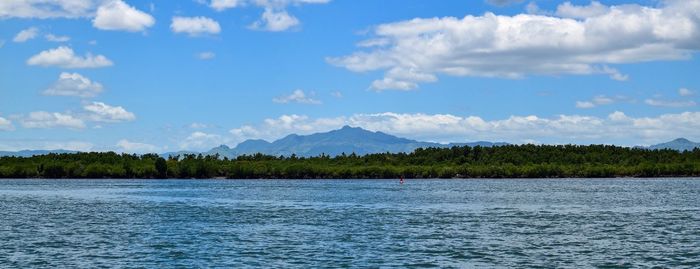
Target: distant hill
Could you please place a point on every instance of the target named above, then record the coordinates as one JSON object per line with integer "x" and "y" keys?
{"x": 30, "y": 153}
{"x": 345, "y": 140}
{"x": 680, "y": 144}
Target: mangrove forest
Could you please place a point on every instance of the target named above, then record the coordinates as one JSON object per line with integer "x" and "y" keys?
{"x": 511, "y": 161}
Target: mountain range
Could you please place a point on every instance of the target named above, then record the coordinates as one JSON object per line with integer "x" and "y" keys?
{"x": 30, "y": 153}
{"x": 680, "y": 144}
{"x": 345, "y": 140}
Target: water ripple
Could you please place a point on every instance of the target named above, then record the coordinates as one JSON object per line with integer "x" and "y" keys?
{"x": 350, "y": 223}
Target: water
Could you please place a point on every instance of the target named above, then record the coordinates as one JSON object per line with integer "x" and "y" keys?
{"x": 616, "y": 223}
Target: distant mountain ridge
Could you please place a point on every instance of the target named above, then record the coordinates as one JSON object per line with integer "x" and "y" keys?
{"x": 30, "y": 153}
{"x": 679, "y": 144}
{"x": 346, "y": 140}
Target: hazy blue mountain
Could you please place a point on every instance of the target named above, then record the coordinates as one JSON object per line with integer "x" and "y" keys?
{"x": 178, "y": 153}
{"x": 30, "y": 153}
{"x": 478, "y": 143}
{"x": 223, "y": 151}
{"x": 679, "y": 144}
{"x": 345, "y": 140}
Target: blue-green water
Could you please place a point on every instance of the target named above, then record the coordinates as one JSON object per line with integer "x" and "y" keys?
{"x": 350, "y": 223}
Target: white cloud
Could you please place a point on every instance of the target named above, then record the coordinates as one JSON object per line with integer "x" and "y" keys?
{"x": 275, "y": 17}
{"x": 136, "y": 147}
{"x": 43, "y": 144}
{"x": 533, "y": 8}
{"x": 6, "y": 125}
{"x": 517, "y": 46}
{"x": 43, "y": 119}
{"x": 55, "y": 38}
{"x": 201, "y": 141}
{"x": 585, "y": 104}
{"x": 206, "y": 55}
{"x": 195, "y": 26}
{"x": 298, "y": 96}
{"x": 272, "y": 129}
{"x": 685, "y": 92}
{"x": 102, "y": 112}
{"x": 220, "y": 5}
{"x": 568, "y": 10}
{"x": 65, "y": 57}
{"x": 616, "y": 128}
{"x": 74, "y": 84}
{"x": 26, "y": 34}
{"x": 197, "y": 125}
{"x": 337, "y": 94}
{"x": 117, "y": 15}
{"x": 275, "y": 21}
{"x": 600, "y": 100}
{"x": 44, "y": 9}
{"x": 669, "y": 103}
{"x": 2, "y": 43}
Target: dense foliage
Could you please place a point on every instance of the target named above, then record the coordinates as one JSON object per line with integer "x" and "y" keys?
{"x": 514, "y": 161}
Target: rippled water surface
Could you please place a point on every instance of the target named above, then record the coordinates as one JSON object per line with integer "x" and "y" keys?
{"x": 615, "y": 223}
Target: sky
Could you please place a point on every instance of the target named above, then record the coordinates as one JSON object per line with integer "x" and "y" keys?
{"x": 167, "y": 75}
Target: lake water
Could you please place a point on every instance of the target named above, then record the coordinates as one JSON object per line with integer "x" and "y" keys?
{"x": 548, "y": 223}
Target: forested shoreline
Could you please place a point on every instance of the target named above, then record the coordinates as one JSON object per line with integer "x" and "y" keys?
{"x": 512, "y": 161}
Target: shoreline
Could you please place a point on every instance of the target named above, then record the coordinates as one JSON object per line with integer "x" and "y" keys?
{"x": 387, "y": 179}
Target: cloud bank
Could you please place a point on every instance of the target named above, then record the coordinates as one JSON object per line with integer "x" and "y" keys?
{"x": 616, "y": 127}
{"x": 577, "y": 40}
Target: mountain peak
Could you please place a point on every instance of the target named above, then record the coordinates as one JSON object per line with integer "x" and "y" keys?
{"x": 679, "y": 144}
{"x": 682, "y": 140}
{"x": 222, "y": 146}
{"x": 348, "y": 127}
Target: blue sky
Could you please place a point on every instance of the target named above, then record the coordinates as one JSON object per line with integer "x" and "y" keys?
{"x": 141, "y": 76}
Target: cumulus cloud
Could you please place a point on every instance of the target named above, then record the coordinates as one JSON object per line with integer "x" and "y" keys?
{"x": 65, "y": 57}
{"x": 117, "y": 15}
{"x": 45, "y": 9}
{"x": 206, "y": 55}
{"x": 298, "y": 96}
{"x": 220, "y": 5}
{"x": 195, "y": 26}
{"x": 201, "y": 141}
{"x": 275, "y": 21}
{"x": 43, "y": 120}
{"x": 685, "y": 92}
{"x": 26, "y": 34}
{"x": 74, "y": 84}
{"x": 6, "y": 125}
{"x": 416, "y": 51}
{"x": 102, "y": 112}
{"x": 55, "y": 38}
{"x": 136, "y": 147}
{"x": 275, "y": 17}
{"x": 616, "y": 127}
{"x": 275, "y": 128}
{"x": 568, "y": 10}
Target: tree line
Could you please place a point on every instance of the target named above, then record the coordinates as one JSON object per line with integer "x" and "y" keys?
{"x": 512, "y": 161}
